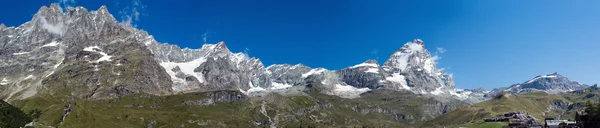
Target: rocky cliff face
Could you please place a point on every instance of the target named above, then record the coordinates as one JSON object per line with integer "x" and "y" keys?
{"x": 88, "y": 54}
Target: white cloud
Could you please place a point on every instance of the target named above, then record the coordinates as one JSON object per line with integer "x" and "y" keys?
{"x": 246, "y": 51}
{"x": 441, "y": 50}
{"x": 132, "y": 12}
{"x": 65, "y": 3}
{"x": 374, "y": 53}
{"x": 204, "y": 36}
{"x": 55, "y": 29}
{"x": 430, "y": 64}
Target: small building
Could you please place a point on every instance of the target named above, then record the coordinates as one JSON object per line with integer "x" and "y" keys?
{"x": 557, "y": 123}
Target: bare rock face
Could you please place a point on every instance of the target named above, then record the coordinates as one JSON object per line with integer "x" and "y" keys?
{"x": 87, "y": 53}
{"x": 222, "y": 75}
{"x": 366, "y": 75}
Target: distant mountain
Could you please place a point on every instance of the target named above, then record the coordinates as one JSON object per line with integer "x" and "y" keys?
{"x": 551, "y": 83}
{"x": 538, "y": 104}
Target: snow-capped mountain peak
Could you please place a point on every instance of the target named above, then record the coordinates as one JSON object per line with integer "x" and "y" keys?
{"x": 405, "y": 56}
{"x": 553, "y": 75}
{"x": 551, "y": 83}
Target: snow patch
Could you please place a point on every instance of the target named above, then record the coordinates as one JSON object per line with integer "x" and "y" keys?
{"x": 277, "y": 86}
{"x": 10, "y": 36}
{"x": 461, "y": 93}
{"x": 347, "y": 91}
{"x": 365, "y": 65}
{"x": 28, "y": 77}
{"x": 401, "y": 60}
{"x": 30, "y": 124}
{"x": 252, "y": 89}
{"x": 540, "y": 77}
{"x": 372, "y": 70}
{"x": 397, "y": 78}
{"x": 186, "y": 68}
{"x": 313, "y": 71}
{"x": 51, "y": 44}
{"x": 437, "y": 91}
{"x": 55, "y": 66}
{"x": 4, "y": 81}
{"x": 96, "y": 49}
{"x": 20, "y": 53}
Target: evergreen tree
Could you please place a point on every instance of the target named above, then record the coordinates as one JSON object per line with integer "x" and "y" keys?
{"x": 12, "y": 117}
{"x": 592, "y": 117}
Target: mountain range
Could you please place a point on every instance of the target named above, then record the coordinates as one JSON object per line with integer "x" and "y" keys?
{"x": 67, "y": 56}
{"x": 95, "y": 51}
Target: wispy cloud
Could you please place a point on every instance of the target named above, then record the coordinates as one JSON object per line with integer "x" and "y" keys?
{"x": 204, "y": 36}
{"x": 440, "y": 50}
{"x": 65, "y": 3}
{"x": 374, "y": 53}
{"x": 208, "y": 35}
{"x": 246, "y": 51}
{"x": 132, "y": 12}
{"x": 55, "y": 29}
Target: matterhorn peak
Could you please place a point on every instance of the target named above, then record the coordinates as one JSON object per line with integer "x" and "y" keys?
{"x": 409, "y": 55}
{"x": 419, "y": 41}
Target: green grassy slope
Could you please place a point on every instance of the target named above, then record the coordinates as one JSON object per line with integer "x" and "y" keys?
{"x": 12, "y": 117}
{"x": 375, "y": 109}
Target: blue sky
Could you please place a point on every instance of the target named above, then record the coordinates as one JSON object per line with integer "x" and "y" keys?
{"x": 489, "y": 43}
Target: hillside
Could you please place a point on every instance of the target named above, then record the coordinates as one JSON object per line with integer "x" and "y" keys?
{"x": 12, "y": 117}
{"x": 538, "y": 104}
{"x": 233, "y": 109}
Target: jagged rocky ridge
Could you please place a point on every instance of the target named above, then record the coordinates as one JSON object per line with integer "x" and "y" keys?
{"x": 551, "y": 83}
{"x": 94, "y": 56}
